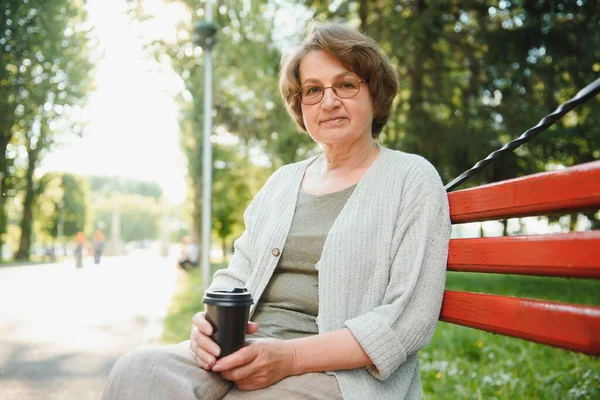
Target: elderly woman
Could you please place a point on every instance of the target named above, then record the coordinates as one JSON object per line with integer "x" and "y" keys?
{"x": 344, "y": 253}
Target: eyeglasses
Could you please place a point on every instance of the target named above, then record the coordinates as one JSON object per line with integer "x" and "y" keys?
{"x": 345, "y": 88}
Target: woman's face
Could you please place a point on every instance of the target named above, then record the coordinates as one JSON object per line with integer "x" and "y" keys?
{"x": 334, "y": 121}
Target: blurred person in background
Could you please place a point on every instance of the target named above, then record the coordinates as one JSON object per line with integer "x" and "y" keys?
{"x": 49, "y": 252}
{"x": 98, "y": 245}
{"x": 344, "y": 253}
{"x": 80, "y": 248}
{"x": 188, "y": 257}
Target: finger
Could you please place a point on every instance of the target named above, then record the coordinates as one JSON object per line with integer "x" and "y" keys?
{"x": 199, "y": 320}
{"x": 197, "y": 360}
{"x": 252, "y": 328}
{"x": 237, "y": 359}
{"x": 207, "y": 344}
{"x": 200, "y": 363}
{"x": 202, "y": 358}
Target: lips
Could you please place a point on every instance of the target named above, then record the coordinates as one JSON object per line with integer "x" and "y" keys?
{"x": 333, "y": 119}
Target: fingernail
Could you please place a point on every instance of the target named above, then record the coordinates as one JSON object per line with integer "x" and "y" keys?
{"x": 216, "y": 351}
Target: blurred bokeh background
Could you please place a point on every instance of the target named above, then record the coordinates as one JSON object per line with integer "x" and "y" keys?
{"x": 101, "y": 124}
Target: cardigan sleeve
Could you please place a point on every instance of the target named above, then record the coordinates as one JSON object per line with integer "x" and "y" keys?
{"x": 406, "y": 320}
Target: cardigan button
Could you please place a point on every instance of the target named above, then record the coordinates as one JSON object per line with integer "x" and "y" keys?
{"x": 275, "y": 252}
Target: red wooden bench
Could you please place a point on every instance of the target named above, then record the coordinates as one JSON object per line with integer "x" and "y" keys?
{"x": 572, "y": 255}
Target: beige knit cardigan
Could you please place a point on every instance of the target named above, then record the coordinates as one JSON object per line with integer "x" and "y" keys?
{"x": 382, "y": 271}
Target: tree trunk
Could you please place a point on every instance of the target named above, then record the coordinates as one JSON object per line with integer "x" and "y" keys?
{"x": 27, "y": 220}
{"x": 6, "y": 123}
{"x": 363, "y": 12}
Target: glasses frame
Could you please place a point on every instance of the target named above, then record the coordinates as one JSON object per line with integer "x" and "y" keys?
{"x": 299, "y": 92}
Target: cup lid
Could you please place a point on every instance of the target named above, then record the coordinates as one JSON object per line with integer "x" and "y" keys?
{"x": 229, "y": 298}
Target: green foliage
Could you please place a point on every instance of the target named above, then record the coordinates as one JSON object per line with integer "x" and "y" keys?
{"x": 76, "y": 199}
{"x": 107, "y": 185}
{"x": 44, "y": 77}
{"x": 47, "y": 211}
{"x": 139, "y": 216}
{"x": 231, "y": 192}
{"x": 62, "y": 194}
{"x": 246, "y": 100}
{"x": 476, "y": 74}
{"x": 87, "y": 208}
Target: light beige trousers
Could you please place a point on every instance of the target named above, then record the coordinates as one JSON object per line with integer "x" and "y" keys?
{"x": 169, "y": 372}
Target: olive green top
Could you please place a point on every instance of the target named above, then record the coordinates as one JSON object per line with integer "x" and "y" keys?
{"x": 290, "y": 303}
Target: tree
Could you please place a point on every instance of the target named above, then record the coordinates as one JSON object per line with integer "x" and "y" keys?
{"x": 477, "y": 74}
{"x": 62, "y": 199}
{"x": 246, "y": 100}
{"x": 76, "y": 204}
{"x": 106, "y": 185}
{"x": 139, "y": 216}
{"x": 47, "y": 210}
{"x": 231, "y": 193}
{"x": 53, "y": 76}
{"x": 474, "y": 75}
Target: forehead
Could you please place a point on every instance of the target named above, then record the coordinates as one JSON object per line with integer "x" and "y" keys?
{"x": 318, "y": 65}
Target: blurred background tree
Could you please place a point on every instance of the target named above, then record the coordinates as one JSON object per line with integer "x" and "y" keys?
{"x": 45, "y": 75}
{"x": 107, "y": 185}
{"x": 139, "y": 216}
{"x": 231, "y": 191}
{"x": 62, "y": 206}
{"x": 475, "y": 74}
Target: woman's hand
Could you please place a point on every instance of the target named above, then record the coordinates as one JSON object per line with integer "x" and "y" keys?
{"x": 204, "y": 350}
{"x": 261, "y": 363}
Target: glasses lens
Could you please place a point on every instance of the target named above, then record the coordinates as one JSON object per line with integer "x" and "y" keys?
{"x": 346, "y": 88}
{"x": 311, "y": 94}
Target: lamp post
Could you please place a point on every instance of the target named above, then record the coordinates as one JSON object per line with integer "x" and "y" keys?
{"x": 204, "y": 36}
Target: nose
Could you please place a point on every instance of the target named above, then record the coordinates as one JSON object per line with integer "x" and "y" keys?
{"x": 330, "y": 100}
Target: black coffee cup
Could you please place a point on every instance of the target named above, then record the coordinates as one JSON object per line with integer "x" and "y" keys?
{"x": 227, "y": 312}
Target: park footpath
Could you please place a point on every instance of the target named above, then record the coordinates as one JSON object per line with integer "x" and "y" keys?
{"x": 62, "y": 329}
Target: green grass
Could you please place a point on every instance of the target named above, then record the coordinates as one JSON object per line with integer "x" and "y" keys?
{"x": 464, "y": 363}
{"x": 186, "y": 302}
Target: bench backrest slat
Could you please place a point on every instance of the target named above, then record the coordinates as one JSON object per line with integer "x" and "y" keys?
{"x": 571, "y": 255}
{"x": 569, "y": 326}
{"x": 573, "y": 188}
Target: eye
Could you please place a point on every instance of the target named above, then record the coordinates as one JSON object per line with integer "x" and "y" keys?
{"x": 311, "y": 90}
{"x": 347, "y": 85}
